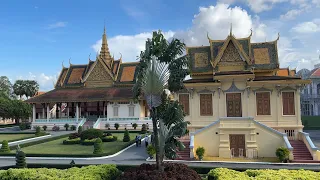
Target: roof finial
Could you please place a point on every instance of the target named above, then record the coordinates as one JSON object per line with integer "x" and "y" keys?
{"x": 62, "y": 64}
{"x": 250, "y": 32}
{"x": 120, "y": 55}
{"x": 230, "y": 29}
{"x": 278, "y": 36}
{"x": 70, "y": 61}
{"x": 208, "y": 36}
{"x": 89, "y": 56}
{"x": 104, "y": 27}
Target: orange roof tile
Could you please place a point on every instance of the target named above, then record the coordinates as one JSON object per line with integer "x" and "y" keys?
{"x": 39, "y": 93}
{"x": 316, "y": 72}
{"x": 63, "y": 75}
{"x": 76, "y": 75}
{"x": 128, "y": 73}
{"x": 292, "y": 72}
{"x": 283, "y": 72}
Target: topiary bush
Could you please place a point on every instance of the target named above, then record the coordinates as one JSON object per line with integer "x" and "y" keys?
{"x": 38, "y": 130}
{"x": 151, "y": 150}
{"x": 88, "y": 142}
{"x": 107, "y": 125}
{"x": 116, "y": 125}
{"x": 66, "y": 126}
{"x": 5, "y": 147}
{"x": 55, "y": 128}
{"x": 200, "y": 152}
{"x": 44, "y": 127}
{"x": 134, "y": 125}
{"x": 74, "y": 135}
{"x": 91, "y": 134}
{"x": 104, "y": 172}
{"x": 144, "y": 129}
{"x": 109, "y": 138}
{"x": 21, "y": 160}
{"x": 71, "y": 141}
{"x": 171, "y": 171}
{"x": 282, "y": 153}
{"x": 79, "y": 129}
{"x": 73, "y": 128}
{"x": 97, "y": 146}
{"x": 126, "y": 136}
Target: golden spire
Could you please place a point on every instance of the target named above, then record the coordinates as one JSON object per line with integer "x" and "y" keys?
{"x": 230, "y": 29}
{"x": 104, "y": 52}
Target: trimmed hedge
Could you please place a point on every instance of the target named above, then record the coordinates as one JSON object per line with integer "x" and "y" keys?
{"x": 109, "y": 138}
{"x": 5, "y": 147}
{"x": 223, "y": 174}
{"x": 91, "y": 134}
{"x": 71, "y": 141}
{"x": 88, "y": 142}
{"x": 104, "y": 172}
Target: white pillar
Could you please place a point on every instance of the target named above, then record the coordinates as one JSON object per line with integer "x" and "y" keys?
{"x": 104, "y": 109}
{"x": 43, "y": 113}
{"x": 68, "y": 110}
{"x": 48, "y": 112}
{"x": 80, "y": 110}
{"x": 77, "y": 112}
{"x": 34, "y": 113}
{"x": 60, "y": 110}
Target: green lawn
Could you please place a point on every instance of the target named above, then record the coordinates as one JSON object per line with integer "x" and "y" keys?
{"x": 56, "y": 147}
{"x": 15, "y": 137}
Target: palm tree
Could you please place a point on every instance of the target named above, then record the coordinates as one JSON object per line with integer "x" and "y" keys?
{"x": 161, "y": 70}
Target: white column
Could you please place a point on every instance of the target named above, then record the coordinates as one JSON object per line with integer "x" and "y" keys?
{"x": 34, "y": 113}
{"x": 48, "y": 112}
{"x": 60, "y": 110}
{"x": 104, "y": 109}
{"x": 77, "y": 111}
{"x": 297, "y": 104}
{"x": 43, "y": 114}
{"x": 279, "y": 108}
{"x": 68, "y": 110}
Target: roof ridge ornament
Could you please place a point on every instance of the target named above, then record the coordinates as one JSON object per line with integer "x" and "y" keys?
{"x": 70, "y": 62}
{"x": 250, "y": 33}
{"x": 208, "y": 36}
{"x": 230, "y": 29}
{"x": 278, "y": 36}
{"x": 120, "y": 55}
{"x": 62, "y": 64}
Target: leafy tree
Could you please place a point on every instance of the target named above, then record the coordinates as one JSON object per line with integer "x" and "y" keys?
{"x": 97, "y": 146}
{"x": 66, "y": 126}
{"x": 21, "y": 160}
{"x": 38, "y": 130}
{"x": 163, "y": 67}
{"x": 5, "y": 86}
{"x": 134, "y": 125}
{"x": 44, "y": 127}
{"x": 126, "y": 136}
{"x": 18, "y": 88}
{"x": 31, "y": 88}
{"x": 116, "y": 125}
{"x": 5, "y": 147}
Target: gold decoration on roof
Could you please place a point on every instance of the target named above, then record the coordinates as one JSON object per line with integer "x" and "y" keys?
{"x": 261, "y": 56}
{"x": 201, "y": 59}
{"x": 104, "y": 52}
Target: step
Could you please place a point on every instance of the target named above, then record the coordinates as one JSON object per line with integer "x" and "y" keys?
{"x": 305, "y": 161}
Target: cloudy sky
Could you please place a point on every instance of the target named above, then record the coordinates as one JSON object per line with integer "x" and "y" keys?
{"x": 37, "y": 36}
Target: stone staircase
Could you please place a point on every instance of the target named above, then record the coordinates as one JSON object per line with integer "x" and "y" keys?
{"x": 184, "y": 154}
{"x": 301, "y": 153}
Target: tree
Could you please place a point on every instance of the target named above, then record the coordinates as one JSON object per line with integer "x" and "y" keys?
{"x": 5, "y": 86}
{"x": 126, "y": 136}
{"x": 18, "y": 88}
{"x": 5, "y": 147}
{"x": 163, "y": 67}
{"x": 21, "y": 160}
{"x": 97, "y": 146}
{"x": 31, "y": 88}
{"x": 66, "y": 126}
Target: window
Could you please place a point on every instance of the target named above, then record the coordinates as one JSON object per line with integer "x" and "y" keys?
{"x": 115, "y": 111}
{"x": 184, "y": 101}
{"x": 131, "y": 111}
{"x": 205, "y": 104}
{"x": 318, "y": 89}
{"x": 288, "y": 103}
{"x": 263, "y": 103}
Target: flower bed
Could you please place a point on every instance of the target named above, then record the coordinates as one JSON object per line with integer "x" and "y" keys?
{"x": 224, "y": 174}
{"x": 109, "y": 138}
{"x": 71, "y": 141}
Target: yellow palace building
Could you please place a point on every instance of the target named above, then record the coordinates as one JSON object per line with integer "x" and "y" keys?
{"x": 240, "y": 104}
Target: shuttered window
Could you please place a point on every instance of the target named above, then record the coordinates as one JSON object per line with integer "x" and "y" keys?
{"x": 206, "y": 105}
{"x": 288, "y": 103}
{"x": 184, "y": 101}
{"x": 131, "y": 111}
{"x": 115, "y": 111}
{"x": 263, "y": 103}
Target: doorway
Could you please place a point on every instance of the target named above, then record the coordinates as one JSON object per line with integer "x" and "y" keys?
{"x": 237, "y": 142}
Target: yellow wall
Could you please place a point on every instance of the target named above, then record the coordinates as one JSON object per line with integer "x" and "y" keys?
{"x": 209, "y": 140}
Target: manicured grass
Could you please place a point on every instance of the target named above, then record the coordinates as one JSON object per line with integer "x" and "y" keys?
{"x": 206, "y": 158}
{"x": 56, "y": 147}
{"x": 311, "y": 122}
{"x": 15, "y": 137}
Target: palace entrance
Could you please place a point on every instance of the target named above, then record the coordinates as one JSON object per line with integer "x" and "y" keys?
{"x": 234, "y": 105}
{"x": 237, "y": 145}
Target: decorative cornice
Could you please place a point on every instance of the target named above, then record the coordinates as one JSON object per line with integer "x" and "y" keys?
{"x": 262, "y": 89}
{"x": 206, "y": 91}
{"x": 288, "y": 88}
{"x": 233, "y": 88}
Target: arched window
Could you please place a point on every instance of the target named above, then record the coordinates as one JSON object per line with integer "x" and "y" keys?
{"x": 318, "y": 89}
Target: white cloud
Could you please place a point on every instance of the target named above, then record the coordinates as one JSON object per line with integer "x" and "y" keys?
{"x": 59, "y": 24}
{"x": 46, "y": 82}
{"x": 257, "y": 5}
{"x": 292, "y": 14}
{"x": 308, "y": 27}
{"x": 316, "y": 2}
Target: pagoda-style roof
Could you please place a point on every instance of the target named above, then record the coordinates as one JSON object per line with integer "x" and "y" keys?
{"x": 83, "y": 95}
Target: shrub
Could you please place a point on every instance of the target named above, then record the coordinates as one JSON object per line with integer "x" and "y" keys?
{"x": 282, "y": 153}
{"x": 104, "y": 172}
{"x": 66, "y": 126}
{"x": 73, "y": 128}
{"x": 21, "y": 160}
{"x": 24, "y": 126}
{"x": 5, "y": 147}
{"x": 97, "y": 146}
{"x": 126, "y": 136}
{"x": 151, "y": 150}
{"x": 116, "y": 125}
{"x": 223, "y": 173}
{"x": 91, "y": 134}
{"x": 108, "y": 134}
{"x": 88, "y": 142}
{"x": 41, "y": 134}
{"x": 200, "y": 152}
{"x": 71, "y": 141}
{"x": 38, "y": 130}
{"x": 107, "y": 126}
{"x": 55, "y": 128}
{"x": 144, "y": 129}
{"x": 134, "y": 125}
{"x": 171, "y": 171}
{"x": 109, "y": 138}
{"x": 79, "y": 129}
{"x": 74, "y": 136}
{"x": 44, "y": 127}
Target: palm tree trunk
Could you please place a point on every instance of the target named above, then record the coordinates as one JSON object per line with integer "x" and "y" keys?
{"x": 156, "y": 139}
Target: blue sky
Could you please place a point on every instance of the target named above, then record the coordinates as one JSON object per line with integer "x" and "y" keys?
{"x": 36, "y": 36}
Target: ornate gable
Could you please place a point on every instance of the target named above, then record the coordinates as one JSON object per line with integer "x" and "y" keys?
{"x": 98, "y": 76}
{"x": 231, "y": 54}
